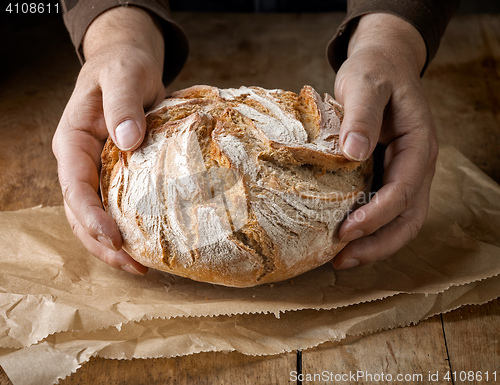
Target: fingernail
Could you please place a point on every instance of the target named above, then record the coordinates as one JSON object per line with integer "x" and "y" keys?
{"x": 131, "y": 269}
{"x": 356, "y": 146}
{"x": 348, "y": 264}
{"x": 352, "y": 235}
{"x": 105, "y": 241}
{"x": 127, "y": 135}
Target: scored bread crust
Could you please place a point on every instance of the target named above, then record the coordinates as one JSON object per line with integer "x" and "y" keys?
{"x": 236, "y": 187}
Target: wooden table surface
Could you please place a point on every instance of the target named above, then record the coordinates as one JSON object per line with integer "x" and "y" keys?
{"x": 274, "y": 51}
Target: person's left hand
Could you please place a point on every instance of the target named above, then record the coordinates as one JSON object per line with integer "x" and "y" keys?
{"x": 384, "y": 102}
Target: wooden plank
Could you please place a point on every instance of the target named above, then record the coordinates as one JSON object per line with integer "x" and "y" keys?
{"x": 42, "y": 70}
{"x": 413, "y": 352}
{"x": 462, "y": 86}
{"x": 283, "y": 51}
{"x": 4, "y": 380}
{"x": 203, "y": 368}
{"x": 473, "y": 340}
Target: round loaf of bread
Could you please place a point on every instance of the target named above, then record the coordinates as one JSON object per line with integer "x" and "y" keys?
{"x": 236, "y": 187}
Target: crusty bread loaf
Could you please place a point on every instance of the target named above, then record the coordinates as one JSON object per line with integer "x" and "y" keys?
{"x": 237, "y": 187}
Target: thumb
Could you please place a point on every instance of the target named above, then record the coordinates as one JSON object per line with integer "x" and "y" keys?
{"x": 122, "y": 101}
{"x": 364, "y": 105}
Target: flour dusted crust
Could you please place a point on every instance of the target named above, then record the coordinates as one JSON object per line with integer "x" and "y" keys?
{"x": 236, "y": 187}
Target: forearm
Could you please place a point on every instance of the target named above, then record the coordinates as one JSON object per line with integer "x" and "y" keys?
{"x": 393, "y": 37}
{"x": 429, "y": 17}
{"x": 125, "y": 27}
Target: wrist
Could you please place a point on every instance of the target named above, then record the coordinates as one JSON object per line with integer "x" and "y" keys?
{"x": 392, "y": 36}
{"x": 124, "y": 26}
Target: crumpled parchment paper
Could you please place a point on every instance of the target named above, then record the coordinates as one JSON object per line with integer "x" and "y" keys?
{"x": 59, "y": 305}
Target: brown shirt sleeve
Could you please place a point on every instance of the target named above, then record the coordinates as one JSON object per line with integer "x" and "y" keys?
{"x": 429, "y": 17}
{"x": 78, "y": 14}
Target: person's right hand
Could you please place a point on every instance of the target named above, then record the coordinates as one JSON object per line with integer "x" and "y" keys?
{"x": 122, "y": 76}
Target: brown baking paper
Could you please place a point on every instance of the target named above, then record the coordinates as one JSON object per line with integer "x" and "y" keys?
{"x": 254, "y": 334}
{"x": 50, "y": 287}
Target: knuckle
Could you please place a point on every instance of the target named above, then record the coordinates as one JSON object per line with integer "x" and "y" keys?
{"x": 374, "y": 80}
{"x": 428, "y": 143}
{"x": 381, "y": 256}
{"x": 412, "y": 228}
{"x": 75, "y": 228}
{"x": 118, "y": 108}
{"x": 86, "y": 222}
{"x": 73, "y": 222}
{"x": 411, "y": 225}
{"x": 66, "y": 189}
{"x": 433, "y": 152}
{"x": 406, "y": 193}
{"x": 356, "y": 75}
{"x": 89, "y": 221}
{"x": 365, "y": 118}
